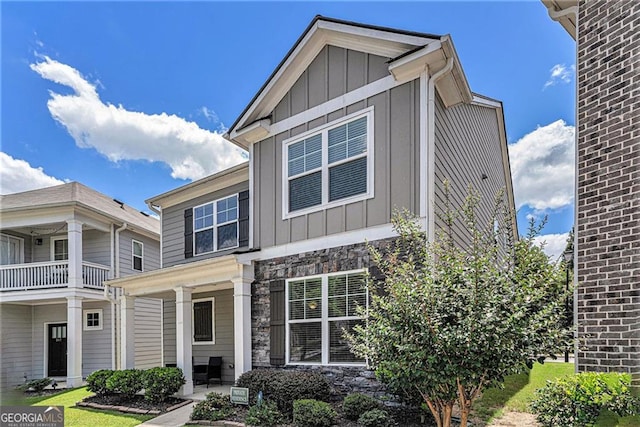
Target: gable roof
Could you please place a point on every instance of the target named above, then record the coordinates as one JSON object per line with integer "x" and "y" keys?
{"x": 77, "y": 194}
{"x": 408, "y": 52}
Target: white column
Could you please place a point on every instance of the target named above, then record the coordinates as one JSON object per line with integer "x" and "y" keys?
{"x": 242, "y": 321}
{"x": 74, "y": 234}
{"x": 184, "y": 316}
{"x": 127, "y": 332}
{"x": 74, "y": 341}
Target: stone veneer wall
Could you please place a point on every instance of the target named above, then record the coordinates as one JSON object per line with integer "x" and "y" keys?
{"x": 330, "y": 260}
{"x": 608, "y": 202}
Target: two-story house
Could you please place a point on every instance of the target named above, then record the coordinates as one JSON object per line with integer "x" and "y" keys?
{"x": 264, "y": 263}
{"x": 57, "y": 247}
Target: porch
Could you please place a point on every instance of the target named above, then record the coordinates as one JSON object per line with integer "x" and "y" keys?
{"x": 52, "y": 274}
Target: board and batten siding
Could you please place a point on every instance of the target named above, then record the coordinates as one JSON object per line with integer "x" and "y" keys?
{"x": 173, "y": 227}
{"x": 395, "y": 147}
{"x": 148, "y": 333}
{"x": 15, "y": 345}
{"x": 467, "y": 145}
{"x": 150, "y": 253}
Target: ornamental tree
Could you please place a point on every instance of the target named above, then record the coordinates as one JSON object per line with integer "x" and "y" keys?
{"x": 448, "y": 320}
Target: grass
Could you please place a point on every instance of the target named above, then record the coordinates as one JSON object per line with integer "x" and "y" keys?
{"x": 81, "y": 417}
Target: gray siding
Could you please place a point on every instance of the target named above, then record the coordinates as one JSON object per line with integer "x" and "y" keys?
{"x": 169, "y": 330}
{"x": 467, "y": 144}
{"x": 95, "y": 247}
{"x": 15, "y": 345}
{"x": 148, "y": 334}
{"x": 396, "y": 169}
{"x": 173, "y": 227}
{"x": 52, "y": 313}
{"x": 150, "y": 252}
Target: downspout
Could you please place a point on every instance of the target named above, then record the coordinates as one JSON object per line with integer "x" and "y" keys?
{"x": 117, "y": 248}
{"x": 431, "y": 142}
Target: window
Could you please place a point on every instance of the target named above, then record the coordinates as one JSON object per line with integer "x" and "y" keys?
{"x": 136, "y": 253}
{"x": 318, "y": 310}
{"x": 203, "y": 321}
{"x": 92, "y": 320}
{"x": 59, "y": 248}
{"x": 11, "y": 250}
{"x": 329, "y": 166}
{"x": 215, "y": 225}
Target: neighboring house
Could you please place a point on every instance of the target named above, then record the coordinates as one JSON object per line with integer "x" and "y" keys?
{"x": 57, "y": 247}
{"x": 608, "y": 187}
{"x": 263, "y": 263}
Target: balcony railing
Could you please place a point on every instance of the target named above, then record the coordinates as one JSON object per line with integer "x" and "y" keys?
{"x": 41, "y": 275}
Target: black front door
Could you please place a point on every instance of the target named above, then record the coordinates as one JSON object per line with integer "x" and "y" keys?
{"x": 57, "y": 357}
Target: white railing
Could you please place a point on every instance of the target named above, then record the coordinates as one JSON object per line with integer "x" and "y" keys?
{"x": 41, "y": 275}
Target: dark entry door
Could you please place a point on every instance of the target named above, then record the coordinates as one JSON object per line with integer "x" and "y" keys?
{"x": 57, "y": 365}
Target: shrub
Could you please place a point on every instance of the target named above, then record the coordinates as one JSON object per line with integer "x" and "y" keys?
{"x": 265, "y": 414}
{"x": 97, "y": 381}
{"x": 215, "y": 407}
{"x": 313, "y": 413}
{"x": 160, "y": 383}
{"x": 577, "y": 400}
{"x": 375, "y": 418}
{"x": 126, "y": 382}
{"x": 283, "y": 387}
{"x": 35, "y": 385}
{"x": 357, "y": 404}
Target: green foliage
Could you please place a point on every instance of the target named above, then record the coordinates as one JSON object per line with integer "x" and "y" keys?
{"x": 283, "y": 387}
{"x": 265, "y": 414}
{"x": 35, "y": 385}
{"x": 357, "y": 404}
{"x": 216, "y": 406}
{"x": 126, "y": 382}
{"x": 97, "y": 381}
{"x": 375, "y": 418}
{"x": 453, "y": 320}
{"x": 313, "y": 413}
{"x": 160, "y": 383}
{"x": 577, "y": 400}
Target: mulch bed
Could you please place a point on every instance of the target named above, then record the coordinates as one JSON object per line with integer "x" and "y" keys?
{"x": 137, "y": 405}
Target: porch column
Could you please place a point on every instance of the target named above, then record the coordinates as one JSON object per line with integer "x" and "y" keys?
{"x": 74, "y": 236}
{"x": 184, "y": 316}
{"x": 74, "y": 341}
{"x": 127, "y": 332}
{"x": 242, "y": 321}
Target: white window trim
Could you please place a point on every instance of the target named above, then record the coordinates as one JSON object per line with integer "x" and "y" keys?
{"x": 133, "y": 255}
{"x": 216, "y": 225}
{"x": 213, "y": 321}
{"x": 324, "y": 320}
{"x": 368, "y": 112}
{"x": 53, "y": 246}
{"x": 20, "y": 247}
{"x": 85, "y": 318}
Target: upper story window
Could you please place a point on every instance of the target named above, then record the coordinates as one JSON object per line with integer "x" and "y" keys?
{"x": 215, "y": 225}
{"x": 59, "y": 248}
{"x": 137, "y": 249}
{"x": 11, "y": 250}
{"x": 330, "y": 165}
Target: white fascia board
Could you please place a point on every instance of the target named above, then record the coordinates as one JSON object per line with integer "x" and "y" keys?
{"x": 35, "y": 217}
{"x": 409, "y": 67}
{"x": 485, "y": 102}
{"x": 375, "y": 36}
{"x": 49, "y": 295}
{"x": 255, "y": 132}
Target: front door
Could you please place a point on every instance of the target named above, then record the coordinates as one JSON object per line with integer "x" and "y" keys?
{"x": 57, "y": 355}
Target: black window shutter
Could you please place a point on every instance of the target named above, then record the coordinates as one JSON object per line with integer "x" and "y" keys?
{"x": 188, "y": 233}
{"x": 243, "y": 218}
{"x": 277, "y": 301}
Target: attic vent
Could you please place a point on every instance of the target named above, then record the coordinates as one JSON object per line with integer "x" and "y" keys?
{"x": 119, "y": 202}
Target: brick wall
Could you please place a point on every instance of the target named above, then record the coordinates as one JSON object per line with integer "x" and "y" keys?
{"x": 608, "y": 197}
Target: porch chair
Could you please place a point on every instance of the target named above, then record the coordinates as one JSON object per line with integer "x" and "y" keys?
{"x": 206, "y": 373}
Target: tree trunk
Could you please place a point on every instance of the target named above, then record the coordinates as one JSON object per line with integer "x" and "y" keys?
{"x": 441, "y": 411}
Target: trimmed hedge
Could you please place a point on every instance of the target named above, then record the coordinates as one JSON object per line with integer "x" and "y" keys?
{"x": 357, "y": 404}
{"x": 97, "y": 381}
{"x": 375, "y": 418}
{"x": 313, "y": 413}
{"x": 160, "y": 383}
{"x": 35, "y": 385}
{"x": 265, "y": 414}
{"x": 127, "y": 382}
{"x": 215, "y": 407}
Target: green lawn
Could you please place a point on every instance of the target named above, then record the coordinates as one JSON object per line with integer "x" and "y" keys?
{"x": 82, "y": 417}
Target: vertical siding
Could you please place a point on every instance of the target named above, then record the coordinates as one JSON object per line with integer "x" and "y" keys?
{"x": 15, "y": 345}
{"x": 151, "y": 253}
{"x": 148, "y": 334}
{"x": 467, "y": 144}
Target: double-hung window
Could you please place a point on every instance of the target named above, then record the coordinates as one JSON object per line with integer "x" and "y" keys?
{"x": 11, "y": 250}
{"x": 216, "y": 225}
{"x": 59, "y": 248}
{"x": 330, "y": 165}
{"x": 319, "y": 310}
{"x": 136, "y": 255}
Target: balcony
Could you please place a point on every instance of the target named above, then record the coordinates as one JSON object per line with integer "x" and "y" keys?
{"x": 42, "y": 275}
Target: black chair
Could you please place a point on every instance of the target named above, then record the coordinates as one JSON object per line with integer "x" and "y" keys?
{"x": 206, "y": 373}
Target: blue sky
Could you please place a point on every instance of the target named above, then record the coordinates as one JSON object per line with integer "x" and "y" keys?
{"x": 131, "y": 98}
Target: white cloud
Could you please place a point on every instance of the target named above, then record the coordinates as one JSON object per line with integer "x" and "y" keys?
{"x": 560, "y": 73}
{"x": 120, "y": 134}
{"x": 18, "y": 175}
{"x": 542, "y": 167}
{"x": 553, "y": 244}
